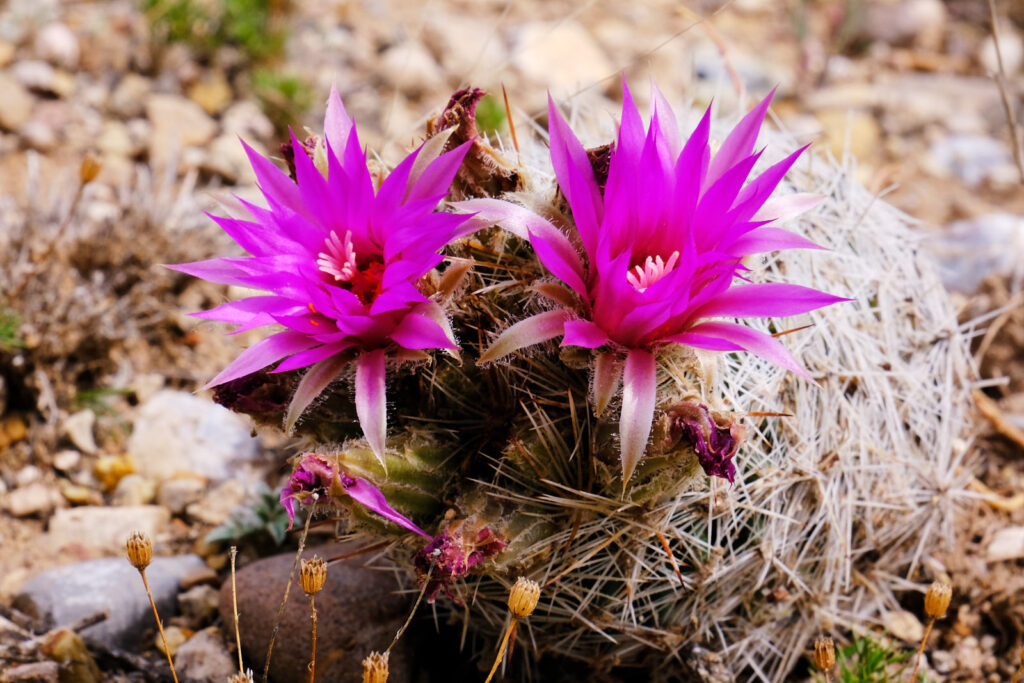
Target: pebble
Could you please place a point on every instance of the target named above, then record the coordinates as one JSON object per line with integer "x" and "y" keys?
{"x": 35, "y": 75}
{"x": 410, "y": 68}
{"x": 217, "y": 506}
{"x": 134, "y": 489}
{"x": 246, "y": 120}
{"x": 36, "y": 672}
{"x": 579, "y": 59}
{"x": 129, "y": 97}
{"x": 29, "y": 474}
{"x": 35, "y": 499}
{"x": 109, "y": 469}
{"x": 212, "y": 92}
{"x": 67, "y": 459}
{"x": 63, "y": 595}
{"x": 39, "y": 136}
{"x": 904, "y": 625}
{"x": 226, "y": 157}
{"x": 918, "y": 22}
{"x": 359, "y": 611}
{"x": 57, "y": 44}
{"x": 173, "y": 637}
{"x": 969, "y": 158}
{"x": 116, "y": 140}
{"x": 1011, "y": 46}
{"x": 103, "y": 530}
{"x": 79, "y": 429}
{"x": 969, "y": 251}
{"x": 204, "y": 658}
{"x": 179, "y": 492}
{"x": 177, "y": 123}
{"x": 176, "y": 431}
{"x": 78, "y": 494}
{"x": 1006, "y": 544}
{"x": 18, "y": 103}
{"x": 198, "y": 604}
{"x": 200, "y": 576}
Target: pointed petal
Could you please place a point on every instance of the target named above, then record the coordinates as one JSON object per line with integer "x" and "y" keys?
{"x": 606, "y": 377}
{"x": 304, "y": 359}
{"x": 312, "y": 385}
{"x": 371, "y": 407}
{"x": 337, "y": 123}
{"x": 584, "y": 333}
{"x": 740, "y": 142}
{"x": 419, "y": 332}
{"x": 273, "y": 182}
{"x": 705, "y": 335}
{"x": 539, "y": 328}
{"x": 790, "y": 206}
{"x": 453, "y": 276}
{"x": 765, "y": 300}
{"x": 576, "y": 177}
{"x": 220, "y": 270}
{"x": 426, "y": 154}
{"x": 437, "y": 177}
{"x": 639, "y": 394}
{"x": 262, "y": 354}
{"x": 371, "y": 497}
{"x": 767, "y": 239}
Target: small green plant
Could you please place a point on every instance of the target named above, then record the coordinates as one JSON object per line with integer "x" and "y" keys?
{"x": 490, "y": 115}
{"x": 249, "y": 25}
{"x": 264, "y": 514}
{"x": 284, "y": 98}
{"x": 10, "y": 325}
{"x": 867, "y": 660}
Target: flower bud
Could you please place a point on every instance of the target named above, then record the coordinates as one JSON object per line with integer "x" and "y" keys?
{"x": 140, "y": 550}
{"x": 824, "y": 654}
{"x": 936, "y": 600}
{"x": 313, "y": 574}
{"x": 241, "y": 677}
{"x": 375, "y": 668}
{"x": 89, "y": 169}
{"x": 522, "y": 599}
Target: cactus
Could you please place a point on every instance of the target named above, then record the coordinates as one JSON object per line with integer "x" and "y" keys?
{"x": 856, "y": 475}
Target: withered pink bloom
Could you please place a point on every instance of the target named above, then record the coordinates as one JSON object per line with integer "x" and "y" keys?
{"x": 661, "y": 255}
{"x": 451, "y": 554}
{"x": 340, "y": 261}
{"x": 714, "y": 441}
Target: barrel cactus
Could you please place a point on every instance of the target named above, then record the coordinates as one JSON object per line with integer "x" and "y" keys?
{"x": 683, "y": 488}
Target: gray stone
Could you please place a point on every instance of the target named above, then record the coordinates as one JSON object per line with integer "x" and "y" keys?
{"x": 179, "y": 492}
{"x": 37, "y": 498}
{"x": 35, "y": 75}
{"x": 178, "y": 432}
{"x": 970, "y": 158}
{"x": 177, "y": 123}
{"x": 217, "y": 506}
{"x": 968, "y": 251}
{"x": 359, "y": 611}
{"x": 198, "y": 604}
{"x": 36, "y": 672}
{"x": 63, "y": 595}
{"x": 134, "y": 489}
{"x": 203, "y": 658}
{"x": 129, "y": 97}
{"x": 105, "y": 529}
{"x": 17, "y": 103}
{"x": 409, "y": 67}
{"x": 246, "y": 120}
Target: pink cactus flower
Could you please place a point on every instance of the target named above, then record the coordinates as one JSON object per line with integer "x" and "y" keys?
{"x": 661, "y": 255}
{"x": 341, "y": 260}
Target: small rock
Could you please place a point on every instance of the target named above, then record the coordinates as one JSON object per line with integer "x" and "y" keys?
{"x": 77, "y": 494}
{"x": 7, "y": 52}
{"x": 177, "y": 123}
{"x": 66, "y": 460}
{"x": 200, "y": 576}
{"x": 35, "y": 499}
{"x": 18, "y": 103}
{"x": 134, "y": 489}
{"x": 116, "y": 140}
{"x": 79, "y": 429}
{"x": 910, "y": 22}
{"x": 109, "y": 469}
{"x": 1011, "y": 46}
{"x": 246, "y": 120}
{"x": 172, "y": 638}
{"x": 104, "y": 529}
{"x": 226, "y": 157}
{"x": 57, "y": 44}
{"x": 29, "y": 474}
{"x": 204, "y": 658}
{"x": 39, "y": 135}
{"x": 212, "y": 92}
{"x": 579, "y": 59}
{"x": 855, "y": 134}
{"x": 971, "y": 250}
{"x": 176, "y": 431}
{"x": 129, "y": 97}
{"x": 342, "y": 641}
{"x": 68, "y": 649}
{"x": 198, "y": 604}
{"x": 63, "y": 595}
{"x": 179, "y": 492}
{"x": 35, "y": 75}
{"x": 37, "y": 672}
{"x": 218, "y": 505}
{"x": 1006, "y": 544}
{"x": 409, "y": 67}
{"x": 969, "y": 158}
{"x": 905, "y": 626}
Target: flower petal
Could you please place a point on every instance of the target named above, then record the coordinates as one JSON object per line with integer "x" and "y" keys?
{"x": 705, "y": 335}
{"x": 419, "y": 332}
{"x": 337, "y": 123}
{"x": 371, "y": 497}
{"x": 740, "y": 142}
{"x": 639, "y": 393}
{"x": 262, "y": 354}
{"x": 765, "y": 300}
{"x": 312, "y": 385}
{"x": 534, "y": 330}
{"x": 576, "y": 177}
{"x": 766, "y": 239}
{"x": 371, "y": 406}
{"x": 606, "y": 377}
{"x": 790, "y": 206}
{"x": 584, "y": 333}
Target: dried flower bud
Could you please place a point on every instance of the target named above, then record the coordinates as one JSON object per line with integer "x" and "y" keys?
{"x": 824, "y": 654}
{"x": 522, "y": 599}
{"x": 375, "y": 668}
{"x": 140, "y": 550}
{"x": 241, "y": 677}
{"x": 314, "y": 574}
{"x": 936, "y": 600}
{"x": 89, "y": 169}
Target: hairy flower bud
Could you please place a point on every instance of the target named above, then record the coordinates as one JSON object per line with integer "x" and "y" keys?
{"x": 522, "y": 599}
{"x": 375, "y": 668}
{"x": 824, "y": 654}
{"x": 140, "y": 550}
{"x": 313, "y": 574}
{"x": 936, "y": 600}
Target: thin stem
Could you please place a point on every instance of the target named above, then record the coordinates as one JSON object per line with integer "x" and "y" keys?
{"x": 417, "y": 604}
{"x": 501, "y": 650}
{"x": 312, "y": 660}
{"x": 920, "y": 650}
{"x": 160, "y": 627}
{"x": 234, "y": 605}
{"x": 1004, "y": 94}
{"x": 828, "y": 676}
{"x": 284, "y": 599}
{"x": 1020, "y": 670}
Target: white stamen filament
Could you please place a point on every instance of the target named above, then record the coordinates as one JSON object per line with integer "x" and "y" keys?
{"x": 653, "y": 270}
{"x": 339, "y": 259}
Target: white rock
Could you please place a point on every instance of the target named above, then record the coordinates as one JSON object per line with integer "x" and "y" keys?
{"x": 971, "y": 250}
{"x": 562, "y": 57}
{"x": 35, "y": 74}
{"x": 477, "y": 52}
{"x": 226, "y": 157}
{"x": 116, "y": 140}
{"x": 203, "y": 658}
{"x": 35, "y": 499}
{"x": 57, "y": 44}
{"x": 218, "y": 505}
{"x": 246, "y": 120}
{"x": 79, "y": 429}
{"x": 179, "y": 492}
{"x": 129, "y": 97}
{"x": 105, "y": 529}
{"x": 67, "y": 459}
{"x": 409, "y": 67}
{"x": 1010, "y": 45}
{"x": 39, "y": 135}
{"x": 1006, "y": 544}
{"x": 969, "y": 158}
{"x": 17, "y": 106}
{"x": 177, "y": 123}
{"x": 199, "y": 603}
{"x": 29, "y": 474}
{"x": 134, "y": 489}
{"x": 178, "y": 432}
{"x": 904, "y": 625}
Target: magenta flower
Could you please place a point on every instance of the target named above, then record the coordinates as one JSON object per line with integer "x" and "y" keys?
{"x": 662, "y": 248}
{"x": 341, "y": 260}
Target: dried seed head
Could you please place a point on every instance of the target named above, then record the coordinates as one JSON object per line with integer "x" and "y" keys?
{"x": 314, "y": 574}
{"x": 89, "y": 169}
{"x": 936, "y": 600}
{"x": 522, "y": 599}
{"x": 241, "y": 677}
{"x": 824, "y": 654}
{"x": 375, "y": 668}
{"x": 140, "y": 550}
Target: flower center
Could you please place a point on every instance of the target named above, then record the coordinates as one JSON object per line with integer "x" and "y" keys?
{"x": 338, "y": 259}
{"x": 653, "y": 269}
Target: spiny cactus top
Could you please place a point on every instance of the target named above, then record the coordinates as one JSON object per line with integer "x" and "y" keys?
{"x": 662, "y": 240}
{"x": 341, "y": 254}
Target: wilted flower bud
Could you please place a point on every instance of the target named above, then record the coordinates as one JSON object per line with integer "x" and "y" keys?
{"x": 314, "y": 574}
{"x": 824, "y": 654}
{"x": 522, "y": 599}
{"x": 89, "y": 169}
{"x": 140, "y": 550}
{"x": 375, "y": 668}
{"x": 936, "y": 600}
{"x": 241, "y": 677}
